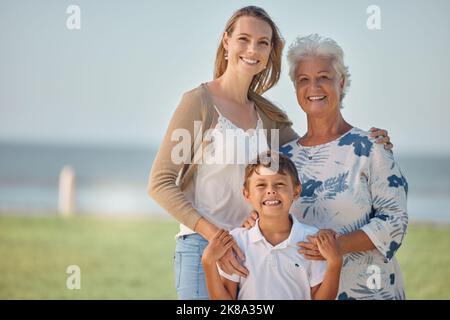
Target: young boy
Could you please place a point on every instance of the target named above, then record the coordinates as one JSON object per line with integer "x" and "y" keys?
{"x": 276, "y": 269}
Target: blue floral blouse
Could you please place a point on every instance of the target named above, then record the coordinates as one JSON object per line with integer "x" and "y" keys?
{"x": 352, "y": 184}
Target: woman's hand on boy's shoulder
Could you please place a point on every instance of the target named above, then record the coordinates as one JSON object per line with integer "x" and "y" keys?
{"x": 217, "y": 247}
{"x": 230, "y": 264}
{"x": 251, "y": 220}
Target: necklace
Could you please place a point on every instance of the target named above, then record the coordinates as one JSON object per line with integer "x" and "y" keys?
{"x": 310, "y": 152}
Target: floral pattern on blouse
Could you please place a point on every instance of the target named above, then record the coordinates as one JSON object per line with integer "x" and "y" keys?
{"x": 352, "y": 184}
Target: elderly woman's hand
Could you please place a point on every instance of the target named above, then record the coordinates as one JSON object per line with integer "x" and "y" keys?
{"x": 251, "y": 220}
{"x": 310, "y": 250}
{"x": 382, "y": 137}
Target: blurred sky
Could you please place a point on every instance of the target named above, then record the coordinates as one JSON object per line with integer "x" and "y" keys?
{"x": 118, "y": 79}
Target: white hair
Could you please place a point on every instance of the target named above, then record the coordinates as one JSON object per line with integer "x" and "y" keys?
{"x": 316, "y": 45}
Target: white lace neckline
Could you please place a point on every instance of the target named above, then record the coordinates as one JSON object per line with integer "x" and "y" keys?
{"x": 226, "y": 123}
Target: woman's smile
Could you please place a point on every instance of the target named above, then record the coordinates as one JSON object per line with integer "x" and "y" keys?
{"x": 316, "y": 98}
{"x": 250, "y": 61}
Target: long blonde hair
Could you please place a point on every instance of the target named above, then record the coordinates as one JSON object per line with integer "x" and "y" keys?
{"x": 267, "y": 78}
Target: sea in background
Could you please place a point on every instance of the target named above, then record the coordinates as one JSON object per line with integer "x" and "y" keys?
{"x": 112, "y": 180}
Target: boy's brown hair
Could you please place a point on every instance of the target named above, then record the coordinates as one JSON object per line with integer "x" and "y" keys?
{"x": 285, "y": 166}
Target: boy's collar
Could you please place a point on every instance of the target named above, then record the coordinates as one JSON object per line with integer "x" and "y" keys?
{"x": 256, "y": 235}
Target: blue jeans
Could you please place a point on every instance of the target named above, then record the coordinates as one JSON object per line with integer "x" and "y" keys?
{"x": 189, "y": 275}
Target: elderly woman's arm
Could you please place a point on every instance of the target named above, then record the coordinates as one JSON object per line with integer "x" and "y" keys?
{"x": 355, "y": 241}
{"x": 389, "y": 219}
{"x": 348, "y": 243}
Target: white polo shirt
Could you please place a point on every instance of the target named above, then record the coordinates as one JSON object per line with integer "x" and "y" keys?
{"x": 276, "y": 272}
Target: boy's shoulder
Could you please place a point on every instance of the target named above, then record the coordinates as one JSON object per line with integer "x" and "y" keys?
{"x": 240, "y": 233}
{"x": 301, "y": 230}
{"x": 242, "y": 237}
{"x": 246, "y": 237}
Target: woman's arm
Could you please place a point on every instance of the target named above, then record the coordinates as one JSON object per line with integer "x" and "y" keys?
{"x": 348, "y": 243}
{"x": 287, "y": 134}
{"x": 388, "y": 220}
{"x": 205, "y": 228}
{"x": 162, "y": 186}
{"x": 388, "y": 187}
{"x": 354, "y": 241}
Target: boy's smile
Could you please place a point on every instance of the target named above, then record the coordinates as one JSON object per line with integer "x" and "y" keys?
{"x": 272, "y": 202}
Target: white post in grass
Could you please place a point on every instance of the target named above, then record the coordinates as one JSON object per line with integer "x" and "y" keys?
{"x": 66, "y": 204}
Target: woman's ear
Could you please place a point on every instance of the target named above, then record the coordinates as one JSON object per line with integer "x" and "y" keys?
{"x": 225, "y": 40}
{"x": 341, "y": 84}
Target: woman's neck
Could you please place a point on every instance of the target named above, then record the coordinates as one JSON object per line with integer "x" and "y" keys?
{"x": 324, "y": 129}
{"x": 233, "y": 87}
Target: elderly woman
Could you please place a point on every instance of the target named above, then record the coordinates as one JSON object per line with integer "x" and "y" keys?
{"x": 352, "y": 187}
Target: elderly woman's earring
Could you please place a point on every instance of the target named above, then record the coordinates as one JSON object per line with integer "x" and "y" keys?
{"x": 226, "y": 55}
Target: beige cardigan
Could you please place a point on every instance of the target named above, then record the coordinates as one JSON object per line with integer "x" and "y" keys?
{"x": 168, "y": 180}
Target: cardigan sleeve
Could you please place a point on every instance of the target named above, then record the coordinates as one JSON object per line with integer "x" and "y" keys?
{"x": 174, "y": 153}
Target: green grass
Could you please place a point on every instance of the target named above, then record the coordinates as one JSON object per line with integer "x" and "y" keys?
{"x": 424, "y": 258}
{"x": 118, "y": 258}
{"x": 132, "y": 258}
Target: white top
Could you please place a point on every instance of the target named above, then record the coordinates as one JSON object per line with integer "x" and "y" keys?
{"x": 225, "y": 206}
{"x": 276, "y": 272}
{"x": 349, "y": 184}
